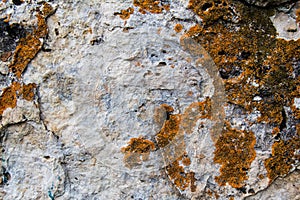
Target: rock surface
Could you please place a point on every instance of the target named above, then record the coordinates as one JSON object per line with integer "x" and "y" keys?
{"x": 148, "y": 100}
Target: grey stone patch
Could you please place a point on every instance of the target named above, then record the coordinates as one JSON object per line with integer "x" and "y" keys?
{"x": 265, "y": 3}
{"x": 285, "y": 23}
{"x": 281, "y": 189}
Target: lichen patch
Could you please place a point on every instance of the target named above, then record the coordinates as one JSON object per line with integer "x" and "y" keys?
{"x": 235, "y": 153}
{"x": 152, "y": 6}
{"x": 29, "y": 46}
{"x": 10, "y": 95}
{"x": 283, "y": 157}
{"x": 137, "y": 150}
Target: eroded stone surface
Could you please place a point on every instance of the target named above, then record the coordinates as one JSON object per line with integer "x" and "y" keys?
{"x": 120, "y": 101}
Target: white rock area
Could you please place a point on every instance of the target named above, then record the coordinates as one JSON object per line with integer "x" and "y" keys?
{"x": 98, "y": 87}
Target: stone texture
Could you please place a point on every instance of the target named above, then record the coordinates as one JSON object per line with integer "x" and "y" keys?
{"x": 265, "y": 3}
{"x": 127, "y": 104}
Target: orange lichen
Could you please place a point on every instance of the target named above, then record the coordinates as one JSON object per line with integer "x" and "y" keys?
{"x": 28, "y": 91}
{"x": 137, "y": 150}
{"x": 9, "y": 96}
{"x": 211, "y": 10}
{"x": 235, "y": 152}
{"x": 153, "y": 6}
{"x": 179, "y": 177}
{"x": 173, "y": 128}
{"x": 275, "y": 131}
{"x": 169, "y": 131}
{"x": 261, "y": 176}
{"x": 5, "y": 56}
{"x": 178, "y": 28}
{"x": 186, "y": 161}
{"x": 24, "y": 53}
{"x": 251, "y": 61}
{"x": 283, "y": 157}
{"x": 125, "y": 14}
{"x": 29, "y": 46}
{"x": 296, "y": 111}
{"x": 297, "y": 15}
{"x": 195, "y": 111}
{"x": 217, "y": 195}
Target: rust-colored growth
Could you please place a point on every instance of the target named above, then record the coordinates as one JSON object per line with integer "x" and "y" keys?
{"x": 10, "y": 94}
{"x": 217, "y": 195}
{"x": 169, "y": 130}
{"x": 125, "y": 14}
{"x": 28, "y": 91}
{"x": 168, "y": 108}
{"x": 25, "y": 52}
{"x": 195, "y": 111}
{"x": 153, "y": 6}
{"x": 298, "y": 15}
{"x": 261, "y": 176}
{"x": 47, "y": 10}
{"x": 179, "y": 177}
{"x": 137, "y": 150}
{"x": 211, "y": 10}
{"x": 8, "y": 98}
{"x": 29, "y": 46}
{"x": 283, "y": 157}
{"x": 178, "y": 28}
{"x": 186, "y": 161}
{"x": 4, "y": 57}
{"x": 249, "y": 55}
{"x": 295, "y": 110}
{"x": 231, "y": 198}
{"x": 235, "y": 152}
{"x": 275, "y": 131}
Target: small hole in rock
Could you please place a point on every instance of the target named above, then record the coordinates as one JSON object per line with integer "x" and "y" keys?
{"x": 206, "y": 6}
{"x": 17, "y": 2}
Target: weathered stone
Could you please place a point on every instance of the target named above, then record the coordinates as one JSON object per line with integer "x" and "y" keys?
{"x": 148, "y": 99}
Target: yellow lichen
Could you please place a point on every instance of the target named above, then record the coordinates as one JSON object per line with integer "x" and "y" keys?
{"x": 235, "y": 152}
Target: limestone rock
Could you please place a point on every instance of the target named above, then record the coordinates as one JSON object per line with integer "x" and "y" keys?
{"x": 127, "y": 103}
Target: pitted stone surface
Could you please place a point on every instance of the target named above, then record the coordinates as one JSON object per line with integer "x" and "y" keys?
{"x": 103, "y": 79}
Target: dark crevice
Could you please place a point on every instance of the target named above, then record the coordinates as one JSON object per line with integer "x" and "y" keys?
{"x": 284, "y": 120}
